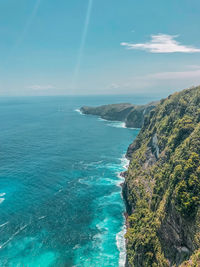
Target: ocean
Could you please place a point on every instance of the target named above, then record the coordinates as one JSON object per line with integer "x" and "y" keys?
{"x": 60, "y": 194}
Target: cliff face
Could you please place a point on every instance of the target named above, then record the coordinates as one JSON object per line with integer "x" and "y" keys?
{"x": 162, "y": 184}
{"x": 132, "y": 115}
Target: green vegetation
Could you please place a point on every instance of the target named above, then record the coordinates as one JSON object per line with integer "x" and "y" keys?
{"x": 132, "y": 115}
{"x": 194, "y": 260}
{"x": 162, "y": 186}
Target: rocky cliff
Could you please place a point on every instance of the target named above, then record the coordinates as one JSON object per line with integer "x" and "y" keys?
{"x": 132, "y": 115}
{"x": 162, "y": 184}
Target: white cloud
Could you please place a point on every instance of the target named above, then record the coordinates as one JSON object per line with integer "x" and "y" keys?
{"x": 41, "y": 87}
{"x": 114, "y": 86}
{"x": 177, "y": 75}
{"x": 194, "y": 67}
{"x": 161, "y": 80}
{"x": 162, "y": 43}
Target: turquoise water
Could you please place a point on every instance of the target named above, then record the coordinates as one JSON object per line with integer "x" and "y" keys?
{"x": 60, "y": 199}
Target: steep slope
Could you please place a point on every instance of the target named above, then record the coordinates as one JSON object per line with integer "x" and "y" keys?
{"x": 194, "y": 260}
{"x": 162, "y": 184}
{"x": 132, "y": 115}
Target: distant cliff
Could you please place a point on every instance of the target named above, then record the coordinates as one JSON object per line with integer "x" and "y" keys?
{"x": 162, "y": 185}
{"x": 132, "y": 115}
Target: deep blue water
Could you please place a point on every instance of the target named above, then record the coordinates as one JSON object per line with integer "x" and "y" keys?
{"x": 60, "y": 199}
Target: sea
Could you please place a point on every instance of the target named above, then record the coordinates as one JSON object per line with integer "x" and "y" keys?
{"x": 60, "y": 193}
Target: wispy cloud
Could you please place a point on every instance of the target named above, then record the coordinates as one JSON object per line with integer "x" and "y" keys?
{"x": 159, "y": 80}
{"x": 162, "y": 43}
{"x": 41, "y": 87}
{"x": 114, "y": 86}
{"x": 177, "y": 75}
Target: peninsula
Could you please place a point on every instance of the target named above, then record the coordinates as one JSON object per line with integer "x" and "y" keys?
{"x": 132, "y": 115}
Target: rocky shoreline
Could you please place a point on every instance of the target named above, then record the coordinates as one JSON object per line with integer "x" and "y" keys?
{"x": 128, "y": 209}
{"x": 126, "y": 213}
{"x": 132, "y": 115}
{"x": 161, "y": 190}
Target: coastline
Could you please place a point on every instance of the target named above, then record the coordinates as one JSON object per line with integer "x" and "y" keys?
{"x": 79, "y": 111}
{"x": 121, "y": 235}
{"x": 113, "y": 123}
{"x": 125, "y": 161}
{"x": 127, "y": 208}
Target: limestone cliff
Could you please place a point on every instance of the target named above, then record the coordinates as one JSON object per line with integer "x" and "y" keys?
{"x": 162, "y": 184}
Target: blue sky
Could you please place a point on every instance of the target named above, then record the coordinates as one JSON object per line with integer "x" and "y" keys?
{"x": 80, "y": 47}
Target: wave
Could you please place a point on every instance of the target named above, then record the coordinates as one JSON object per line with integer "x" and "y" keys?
{"x": 42, "y": 217}
{"x": 120, "y": 239}
{"x": 79, "y": 111}
{"x": 2, "y": 198}
{"x": 91, "y": 164}
{"x": 101, "y": 119}
{"x": 108, "y": 228}
{"x": 12, "y": 236}
{"x": 101, "y": 226}
{"x": 83, "y": 181}
{"x": 113, "y": 198}
{"x": 115, "y": 124}
{"x": 124, "y": 162}
{"x": 3, "y": 224}
{"x": 121, "y": 245}
{"x": 118, "y": 124}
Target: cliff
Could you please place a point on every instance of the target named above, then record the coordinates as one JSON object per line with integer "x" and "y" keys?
{"x": 162, "y": 185}
{"x": 132, "y": 115}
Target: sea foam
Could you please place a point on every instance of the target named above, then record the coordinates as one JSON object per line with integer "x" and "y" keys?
{"x": 1, "y": 197}
{"x": 79, "y": 111}
{"x": 121, "y": 246}
{"x": 120, "y": 239}
{"x": 115, "y": 124}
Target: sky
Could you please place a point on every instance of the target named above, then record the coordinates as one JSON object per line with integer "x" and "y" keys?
{"x": 86, "y": 47}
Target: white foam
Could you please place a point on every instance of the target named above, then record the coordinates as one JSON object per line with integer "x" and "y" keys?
{"x": 100, "y": 119}
{"x": 84, "y": 181}
{"x": 121, "y": 245}
{"x": 120, "y": 239}
{"x": 94, "y": 163}
{"x": 79, "y": 111}
{"x": 2, "y": 200}
{"x": 3, "y": 224}
{"x": 124, "y": 161}
{"x": 120, "y": 180}
{"x": 101, "y": 226}
{"x": 12, "y": 236}
{"x": 42, "y": 217}
{"x": 124, "y": 166}
{"x": 117, "y": 124}
{"x": 76, "y": 246}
